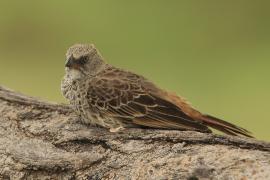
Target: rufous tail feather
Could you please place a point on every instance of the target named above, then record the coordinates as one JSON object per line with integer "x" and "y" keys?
{"x": 224, "y": 126}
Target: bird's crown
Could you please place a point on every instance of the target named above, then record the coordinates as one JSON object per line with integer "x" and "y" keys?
{"x": 78, "y": 50}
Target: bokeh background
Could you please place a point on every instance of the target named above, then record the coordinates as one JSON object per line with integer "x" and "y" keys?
{"x": 214, "y": 53}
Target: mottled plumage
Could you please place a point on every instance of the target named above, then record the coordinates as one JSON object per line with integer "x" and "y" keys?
{"x": 114, "y": 98}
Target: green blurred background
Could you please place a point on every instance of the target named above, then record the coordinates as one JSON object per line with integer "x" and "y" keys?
{"x": 214, "y": 53}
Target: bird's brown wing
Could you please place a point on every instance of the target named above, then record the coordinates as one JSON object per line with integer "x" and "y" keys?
{"x": 123, "y": 96}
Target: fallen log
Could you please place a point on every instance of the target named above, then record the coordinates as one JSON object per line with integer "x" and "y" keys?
{"x": 42, "y": 140}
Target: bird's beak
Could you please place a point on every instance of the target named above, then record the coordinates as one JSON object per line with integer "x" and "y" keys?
{"x": 70, "y": 62}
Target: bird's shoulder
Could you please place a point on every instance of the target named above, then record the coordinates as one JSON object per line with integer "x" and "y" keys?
{"x": 112, "y": 77}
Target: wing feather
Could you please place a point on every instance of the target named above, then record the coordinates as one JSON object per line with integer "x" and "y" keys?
{"x": 130, "y": 100}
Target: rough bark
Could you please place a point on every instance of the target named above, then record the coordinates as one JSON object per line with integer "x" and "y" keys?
{"x": 41, "y": 140}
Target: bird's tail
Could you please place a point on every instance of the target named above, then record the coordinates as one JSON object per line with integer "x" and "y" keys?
{"x": 207, "y": 120}
{"x": 224, "y": 126}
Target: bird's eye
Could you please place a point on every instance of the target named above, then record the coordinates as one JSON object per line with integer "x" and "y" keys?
{"x": 82, "y": 60}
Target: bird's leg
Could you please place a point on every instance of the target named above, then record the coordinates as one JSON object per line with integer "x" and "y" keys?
{"x": 118, "y": 129}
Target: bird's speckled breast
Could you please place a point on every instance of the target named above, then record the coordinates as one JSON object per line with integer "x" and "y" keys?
{"x": 76, "y": 92}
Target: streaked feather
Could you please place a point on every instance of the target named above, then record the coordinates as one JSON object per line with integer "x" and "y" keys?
{"x": 132, "y": 101}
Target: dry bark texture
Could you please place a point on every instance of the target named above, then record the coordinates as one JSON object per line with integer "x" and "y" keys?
{"x": 41, "y": 140}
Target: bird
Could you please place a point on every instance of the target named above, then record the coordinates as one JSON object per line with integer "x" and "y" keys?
{"x": 117, "y": 99}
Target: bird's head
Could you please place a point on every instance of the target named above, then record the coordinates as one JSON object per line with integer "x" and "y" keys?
{"x": 83, "y": 60}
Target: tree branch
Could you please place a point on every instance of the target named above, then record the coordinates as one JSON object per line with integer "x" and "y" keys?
{"x": 40, "y": 140}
